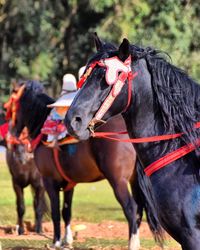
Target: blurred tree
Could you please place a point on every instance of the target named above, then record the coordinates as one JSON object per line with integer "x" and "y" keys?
{"x": 43, "y": 39}
{"x": 172, "y": 26}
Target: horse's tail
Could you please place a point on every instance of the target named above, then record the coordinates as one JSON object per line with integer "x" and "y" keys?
{"x": 149, "y": 204}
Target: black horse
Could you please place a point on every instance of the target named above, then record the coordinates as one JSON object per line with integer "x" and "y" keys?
{"x": 88, "y": 161}
{"x": 24, "y": 173}
{"x": 164, "y": 100}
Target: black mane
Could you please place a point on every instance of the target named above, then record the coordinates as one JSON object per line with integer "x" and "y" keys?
{"x": 33, "y": 107}
{"x": 176, "y": 94}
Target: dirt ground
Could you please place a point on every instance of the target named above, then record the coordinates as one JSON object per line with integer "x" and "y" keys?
{"x": 104, "y": 230}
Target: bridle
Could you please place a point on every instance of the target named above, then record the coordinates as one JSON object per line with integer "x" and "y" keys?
{"x": 117, "y": 73}
{"x": 113, "y": 66}
{"x": 12, "y": 105}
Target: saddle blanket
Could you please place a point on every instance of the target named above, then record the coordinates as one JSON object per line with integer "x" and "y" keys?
{"x": 55, "y": 130}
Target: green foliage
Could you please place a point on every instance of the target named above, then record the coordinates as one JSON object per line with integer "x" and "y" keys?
{"x": 45, "y": 39}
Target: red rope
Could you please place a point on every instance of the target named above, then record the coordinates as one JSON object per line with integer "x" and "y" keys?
{"x": 163, "y": 161}
{"x": 4, "y": 130}
{"x": 71, "y": 183}
{"x": 171, "y": 157}
{"x": 109, "y": 135}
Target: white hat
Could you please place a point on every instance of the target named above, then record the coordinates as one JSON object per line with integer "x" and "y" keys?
{"x": 69, "y": 90}
{"x": 69, "y": 83}
{"x": 64, "y": 101}
{"x": 81, "y": 71}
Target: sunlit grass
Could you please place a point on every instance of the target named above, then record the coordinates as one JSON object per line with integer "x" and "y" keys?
{"x": 90, "y": 243}
{"x": 93, "y": 202}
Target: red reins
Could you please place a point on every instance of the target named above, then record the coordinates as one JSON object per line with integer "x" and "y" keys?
{"x": 117, "y": 86}
{"x": 70, "y": 183}
{"x": 170, "y": 157}
{"x": 109, "y": 135}
{"x": 163, "y": 161}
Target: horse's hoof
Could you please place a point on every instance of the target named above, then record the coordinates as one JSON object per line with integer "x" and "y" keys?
{"x": 19, "y": 230}
{"x": 67, "y": 246}
{"x": 52, "y": 247}
{"x": 58, "y": 245}
{"x": 134, "y": 242}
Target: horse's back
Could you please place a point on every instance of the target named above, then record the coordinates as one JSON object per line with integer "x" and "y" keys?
{"x": 118, "y": 157}
{"x": 91, "y": 160}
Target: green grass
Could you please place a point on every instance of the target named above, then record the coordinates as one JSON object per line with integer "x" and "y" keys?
{"x": 90, "y": 243}
{"x": 92, "y": 202}
{"x": 96, "y": 202}
{"x": 8, "y": 213}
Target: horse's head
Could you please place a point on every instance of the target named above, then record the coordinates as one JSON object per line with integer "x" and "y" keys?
{"x": 105, "y": 91}
{"x": 27, "y": 107}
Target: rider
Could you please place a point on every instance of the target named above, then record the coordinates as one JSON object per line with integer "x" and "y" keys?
{"x": 69, "y": 90}
{"x": 54, "y": 126}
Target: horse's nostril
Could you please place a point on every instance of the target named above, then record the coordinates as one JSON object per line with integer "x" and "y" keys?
{"x": 78, "y": 119}
{"x": 76, "y": 123}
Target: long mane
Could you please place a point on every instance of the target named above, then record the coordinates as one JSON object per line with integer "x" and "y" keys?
{"x": 177, "y": 95}
{"x": 33, "y": 106}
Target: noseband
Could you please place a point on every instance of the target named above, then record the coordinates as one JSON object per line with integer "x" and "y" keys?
{"x": 117, "y": 72}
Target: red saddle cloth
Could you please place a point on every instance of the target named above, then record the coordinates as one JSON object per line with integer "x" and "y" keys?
{"x": 4, "y": 130}
{"x": 52, "y": 127}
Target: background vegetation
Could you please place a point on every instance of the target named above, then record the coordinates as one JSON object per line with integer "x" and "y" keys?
{"x": 43, "y": 39}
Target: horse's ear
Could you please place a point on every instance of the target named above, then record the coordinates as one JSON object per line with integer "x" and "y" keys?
{"x": 97, "y": 41}
{"x": 124, "y": 50}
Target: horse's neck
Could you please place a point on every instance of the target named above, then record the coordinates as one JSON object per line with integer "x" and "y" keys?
{"x": 143, "y": 112}
{"x": 143, "y": 118}
{"x": 36, "y": 118}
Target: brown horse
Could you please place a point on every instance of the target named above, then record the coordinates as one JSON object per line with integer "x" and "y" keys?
{"x": 24, "y": 172}
{"x": 86, "y": 161}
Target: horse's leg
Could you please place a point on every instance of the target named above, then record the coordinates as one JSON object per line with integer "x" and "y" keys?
{"x": 129, "y": 206}
{"x": 53, "y": 192}
{"x": 20, "y": 207}
{"x": 137, "y": 198}
{"x": 191, "y": 240}
{"x": 39, "y": 206}
{"x": 67, "y": 213}
{"x": 190, "y": 230}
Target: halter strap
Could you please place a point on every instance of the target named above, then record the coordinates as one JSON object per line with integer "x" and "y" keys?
{"x": 112, "y": 78}
{"x": 71, "y": 184}
{"x": 171, "y": 157}
{"x": 116, "y": 89}
{"x": 163, "y": 161}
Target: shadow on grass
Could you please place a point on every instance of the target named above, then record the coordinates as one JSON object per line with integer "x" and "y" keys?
{"x": 112, "y": 209}
{"x": 43, "y": 248}
{"x": 28, "y": 248}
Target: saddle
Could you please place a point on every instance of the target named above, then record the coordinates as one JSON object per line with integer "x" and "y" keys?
{"x": 55, "y": 130}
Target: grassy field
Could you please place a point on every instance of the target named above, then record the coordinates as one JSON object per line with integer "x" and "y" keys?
{"x": 92, "y": 203}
